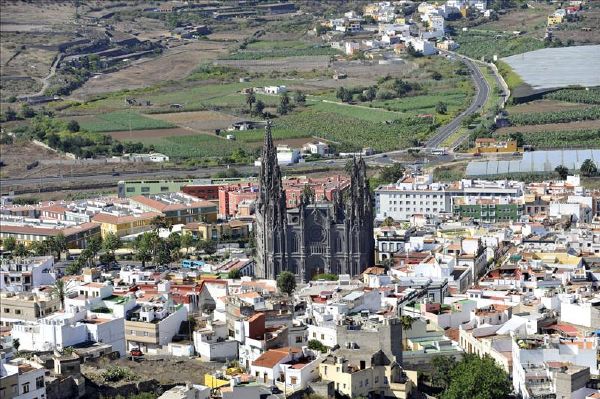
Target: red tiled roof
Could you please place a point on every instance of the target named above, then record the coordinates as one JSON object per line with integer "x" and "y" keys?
{"x": 274, "y": 356}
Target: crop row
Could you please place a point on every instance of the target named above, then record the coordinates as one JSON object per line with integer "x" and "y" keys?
{"x": 121, "y": 120}
{"x": 540, "y": 118}
{"x": 563, "y": 139}
{"x": 591, "y": 96}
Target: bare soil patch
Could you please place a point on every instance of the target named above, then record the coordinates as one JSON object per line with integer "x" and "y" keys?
{"x": 17, "y": 156}
{"x": 134, "y": 135}
{"x": 175, "y": 63}
{"x": 35, "y": 16}
{"x": 543, "y": 106}
{"x": 550, "y": 127}
{"x": 206, "y": 121}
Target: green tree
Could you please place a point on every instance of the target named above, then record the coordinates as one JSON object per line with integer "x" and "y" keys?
{"x": 73, "y": 126}
{"x": 10, "y": 114}
{"x": 344, "y": 94}
{"x": 27, "y": 111}
{"x": 259, "y": 108}
{"x": 234, "y": 274}
{"x": 250, "y": 100}
{"x": 436, "y": 75}
{"x": 39, "y": 248}
{"x": 299, "y": 98}
{"x": 143, "y": 247}
{"x": 61, "y": 290}
{"x": 284, "y": 104}
{"x": 371, "y": 93}
{"x": 160, "y": 222}
{"x": 94, "y": 246}
{"x": 59, "y": 245}
{"x": 317, "y": 345}
{"x": 477, "y": 378}
{"x": 393, "y": 173}
{"x": 588, "y": 168}
{"x": 20, "y": 250}
{"x": 518, "y": 137}
{"x": 407, "y": 323}
{"x": 111, "y": 243}
{"x": 9, "y": 244}
{"x": 388, "y": 221}
{"x": 286, "y": 282}
{"x": 441, "y": 368}
{"x": 562, "y": 171}
{"x": 186, "y": 241}
{"x": 208, "y": 246}
{"x": 441, "y": 108}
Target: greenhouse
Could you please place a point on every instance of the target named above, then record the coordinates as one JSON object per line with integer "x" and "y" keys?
{"x": 533, "y": 162}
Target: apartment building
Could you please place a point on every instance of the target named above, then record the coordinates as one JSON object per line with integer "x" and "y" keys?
{"x": 24, "y": 274}
{"x": 21, "y": 379}
{"x": 124, "y": 223}
{"x": 149, "y": 327}
{"x": 178, "y": 208}
{"x": 26, "y": 306}
{"x": 29, "y": 230}
{"x": 419, "y": 195}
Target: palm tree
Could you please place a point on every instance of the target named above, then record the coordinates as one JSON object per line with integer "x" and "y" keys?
{"x": 588, "y": 168}
{"x": 250, "y": 99}
{"x": 407, "y": 323}
{"x": 61, "y": 291}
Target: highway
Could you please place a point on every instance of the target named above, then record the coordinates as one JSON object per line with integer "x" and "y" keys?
{"x": 483, "y": 91}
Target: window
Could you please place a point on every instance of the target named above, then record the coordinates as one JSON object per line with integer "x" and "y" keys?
{"x": 39, "y": 382}
{"x": 299, "y": 339}
{"x": 6, "y": 310}
{"x": 163, "y": 189}
{"x": 145, "y": 189}
{"x": 17, "y": 311}
{"x": 130, "y": 189}
{"x": 26, "y": 387}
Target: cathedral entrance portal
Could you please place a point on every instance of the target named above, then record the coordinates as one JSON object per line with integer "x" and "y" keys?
{"x": 314, "y": 265}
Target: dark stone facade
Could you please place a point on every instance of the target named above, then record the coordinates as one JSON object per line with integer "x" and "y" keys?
{"x": 317, "y": 237}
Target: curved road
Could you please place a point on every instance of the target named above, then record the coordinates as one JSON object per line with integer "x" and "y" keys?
{"x": 483, "y": 91}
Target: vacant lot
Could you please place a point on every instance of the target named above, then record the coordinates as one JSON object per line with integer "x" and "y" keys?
{"x": 527, "y": 20}
{"x": 17, "y": 156}
{"x": 175, "y": 63}
{"x": 543, "y": 106}
{"x": 19, "y": 16}
{"x": 199, "y": 120}
{"x": 550, "y": 127}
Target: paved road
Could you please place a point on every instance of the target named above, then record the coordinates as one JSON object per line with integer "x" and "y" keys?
{"x": 483, "y": 91}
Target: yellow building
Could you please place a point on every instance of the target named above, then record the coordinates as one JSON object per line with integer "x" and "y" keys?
{"x": 488, "y": 145}
{"x": 124, "y": 225}
{"x": 234, "y": 230}
{"x": 555, "y": 20}
{"x": 380, "y": 377}
{"x": 178, "y": 208}
{"x": 400, "y": 20}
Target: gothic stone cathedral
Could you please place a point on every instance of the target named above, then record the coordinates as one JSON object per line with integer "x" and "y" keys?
{"x": 317, "y": 237}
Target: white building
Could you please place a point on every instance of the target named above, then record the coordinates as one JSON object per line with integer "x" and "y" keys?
{"x": 351, "y": 47}
{"x": 288, "y": 368}
{"x": 287, "y": 155}
{"x": 187, "y": 391}
{"x": 21, "y": 379}
{"x": 20, "y": 275}
{"x": 317, "y": 148}
{"x": 275, "y": 90}
{"x": 213, "y": 344}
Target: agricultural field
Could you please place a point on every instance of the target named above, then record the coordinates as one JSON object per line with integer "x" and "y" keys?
{"x": 480, "y": 44}
{"x": 541, "y": 118}
{"x": 139, "y": 135}
{"x": 197, "y": 146}
{"x": 280, "y": 49}
{"x": 542, "y": 106}
{"x": 589, "y": 96}
{"x": 200, "y": 121}
{"x": 363, "y": 112}
{"x": 589, "y": 124}
{"x": 425, "y": 104}
{"x": 544, "y": 139}
{"x": 121, "y": 120}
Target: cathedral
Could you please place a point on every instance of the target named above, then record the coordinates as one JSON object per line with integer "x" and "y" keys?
{"x": 316, "y": 237}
